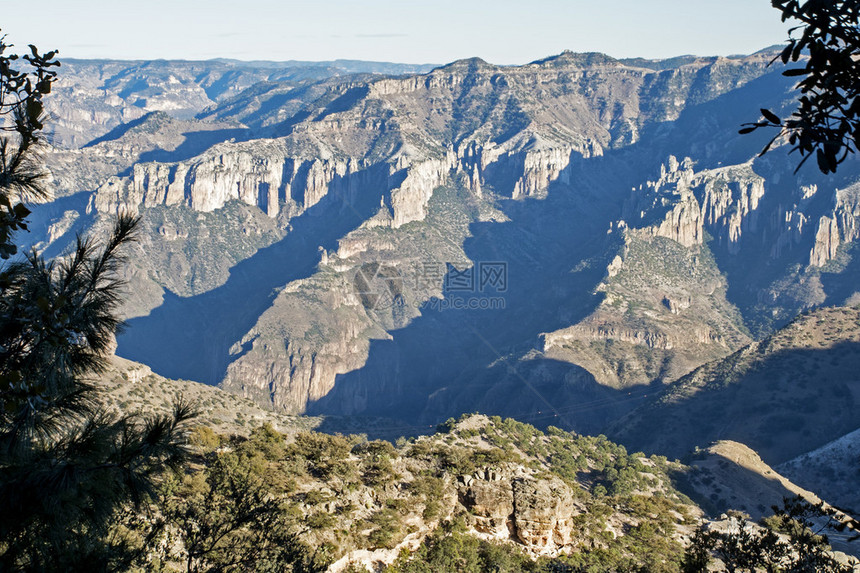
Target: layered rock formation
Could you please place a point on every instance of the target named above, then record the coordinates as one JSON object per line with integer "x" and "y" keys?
{"x": 723, "y": 201}
{"x": 837, "y": 228}
{"x": 267, "y": 181}
{"x": 729, "y": 202}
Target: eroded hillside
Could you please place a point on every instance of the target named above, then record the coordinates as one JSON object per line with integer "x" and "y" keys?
{"x": 784, "y": 396}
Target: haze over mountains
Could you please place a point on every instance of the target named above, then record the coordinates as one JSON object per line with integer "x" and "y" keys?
{"x": 302, "y": 224}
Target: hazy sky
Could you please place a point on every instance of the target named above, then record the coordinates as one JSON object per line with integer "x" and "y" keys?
{"x": 500, "y": 31}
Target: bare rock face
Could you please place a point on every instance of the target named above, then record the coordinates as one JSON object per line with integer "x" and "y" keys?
{"x": 723, "y": 201}
{"x": 839, "y": 227}
{"x": 676, "y": 305}
{"x": 172, "y": 233}
{"x": 683, "y": 224}
{"x": 827, "y": 241}
{"x": 597, "y": 331}
{"x": 543, "y": 166}
{"x": 409, "y": 200}
{"x": 264, "y": 180}
{"x": 287, "y": 379}
{"x": 268, "y": 177}
{"x": 729, "y": 203}
{"x": 537, "y": 513}
{"x": 543, "y": 512}
{"x": 300, "y": 371}
{"x": 667, "y": 207}
{"x": 490, "y": 505}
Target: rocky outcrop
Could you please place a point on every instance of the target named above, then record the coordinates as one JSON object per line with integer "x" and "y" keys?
{"x": 490, "y": 502}
{"x": 728, "y": 203}
{"x": 839, "y": 227}
{"x": 608, "y": 332}
{"x": 682, "y": 224}
{"x": 409, "y": 200}
{"x": 827, "y": 242}
{"x": 677, "y": 304}
{"x": 518, "y": 173}
{"x": 667, "y": 207}
{"x": 723, "y": 201}
{"x": 172, "y": 232}
{"x": 305, "y": 368}
{"x": 538, "y": 513}
{"x": 291, "y": 379}
{"x": 542, "y": 167}
{"x": 543, "y": 512}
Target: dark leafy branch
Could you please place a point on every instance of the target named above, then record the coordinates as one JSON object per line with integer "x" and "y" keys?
{"x": 826, "y": 123}
{"x": 24, "y": 80}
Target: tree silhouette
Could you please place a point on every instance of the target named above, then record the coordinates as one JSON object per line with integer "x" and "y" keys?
{"x": 67, "y": 465}
{"x": 826, "y": 122}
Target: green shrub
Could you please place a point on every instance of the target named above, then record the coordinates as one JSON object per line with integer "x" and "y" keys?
{"x": 387, "y": 531}
{"x": 320, "y": 520}
{"x": 326, "y": 456}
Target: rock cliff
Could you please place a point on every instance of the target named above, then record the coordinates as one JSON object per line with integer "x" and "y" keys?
{"x": 838, "y": 227}
{"x": 731, "y": 202}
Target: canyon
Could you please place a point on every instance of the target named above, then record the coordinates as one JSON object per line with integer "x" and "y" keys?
{"x": 638, "y": 234}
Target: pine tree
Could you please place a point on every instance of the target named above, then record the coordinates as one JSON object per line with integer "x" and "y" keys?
{"x": 67, "y": 465}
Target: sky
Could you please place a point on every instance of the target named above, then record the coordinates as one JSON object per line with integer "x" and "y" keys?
{"x": 410, "y": 31}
